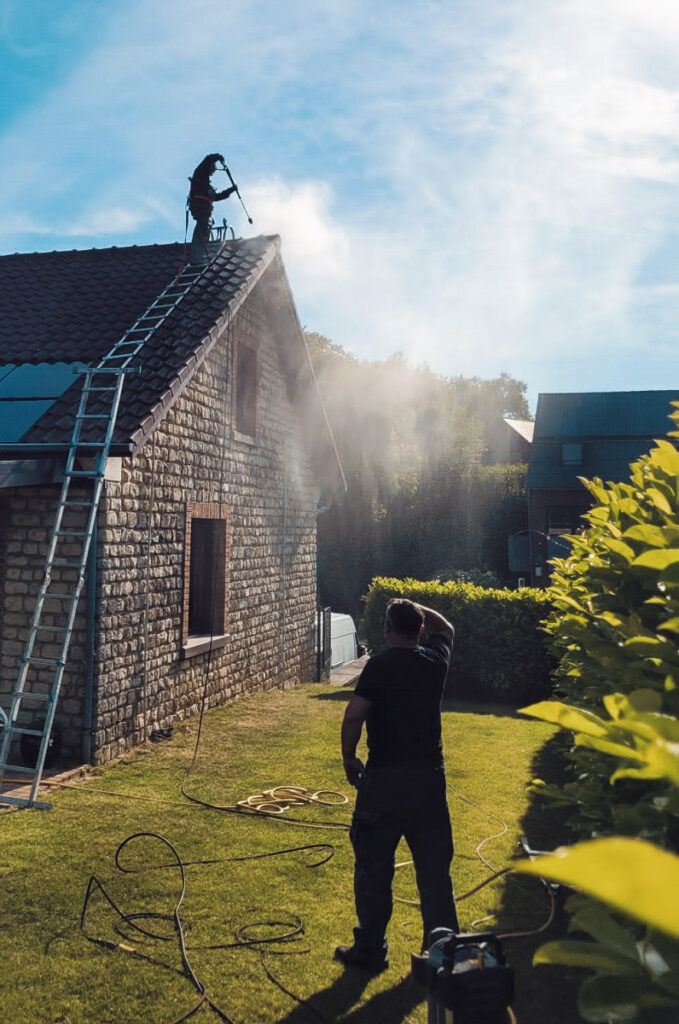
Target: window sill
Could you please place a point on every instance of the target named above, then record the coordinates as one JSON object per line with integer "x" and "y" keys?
{"x": 244, "y": 438}
{"x": 202, "y": 644}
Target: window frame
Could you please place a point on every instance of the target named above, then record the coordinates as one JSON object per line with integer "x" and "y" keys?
{"x": 244, "y": 419}
{"x": 199, "y": 643}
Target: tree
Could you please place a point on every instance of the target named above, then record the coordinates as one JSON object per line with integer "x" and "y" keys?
{"x": 420, "y": 498}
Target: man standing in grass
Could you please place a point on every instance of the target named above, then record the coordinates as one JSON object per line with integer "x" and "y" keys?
{"x": 402, "y": 789}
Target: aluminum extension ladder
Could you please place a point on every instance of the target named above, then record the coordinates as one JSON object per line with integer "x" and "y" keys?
{"x": 34, "y": 697}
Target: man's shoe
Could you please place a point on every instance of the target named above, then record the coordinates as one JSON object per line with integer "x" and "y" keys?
{"x": 350, "y": 956}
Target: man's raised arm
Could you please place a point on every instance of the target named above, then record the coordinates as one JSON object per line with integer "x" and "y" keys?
{"x": 434, "y": 622}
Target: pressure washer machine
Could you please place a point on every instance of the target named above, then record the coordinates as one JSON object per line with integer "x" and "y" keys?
{"x": 467, "y": 978}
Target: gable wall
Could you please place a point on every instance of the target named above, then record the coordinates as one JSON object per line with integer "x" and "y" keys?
{"x": 264, "y": 489}
{"x": 194, "y": 457}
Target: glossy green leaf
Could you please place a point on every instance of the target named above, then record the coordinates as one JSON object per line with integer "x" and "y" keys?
{"x": 609, "y": 747}
{"x": 609, "y": 998}
{"x": 593, "y": 919}
{"x": 574, "y": 953}
{"x": 649, "y": 534}
{"x": 659, "y": 558}
{"x": 659, "y": 500}
{"x": 619, "y": 548}
{"x": 569, "y": 718}
{"x": 630, "y": 875}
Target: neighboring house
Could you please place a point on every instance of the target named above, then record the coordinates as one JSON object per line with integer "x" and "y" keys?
{"x": 583, "y": 435}
{"x": 203, "y": 568}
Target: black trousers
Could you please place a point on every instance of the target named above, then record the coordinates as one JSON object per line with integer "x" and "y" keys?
{"x": 392, "y": 803}
{"x": 200, "y": 239}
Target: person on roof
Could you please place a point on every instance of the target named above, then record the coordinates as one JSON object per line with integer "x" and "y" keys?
{"x": 202, "y": 196}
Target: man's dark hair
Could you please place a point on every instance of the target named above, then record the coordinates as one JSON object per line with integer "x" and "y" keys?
{"x": 405, "y": 618}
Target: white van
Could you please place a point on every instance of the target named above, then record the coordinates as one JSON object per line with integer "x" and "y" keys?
{"x": 343, "y": 644}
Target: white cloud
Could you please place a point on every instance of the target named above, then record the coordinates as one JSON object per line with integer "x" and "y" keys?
{"x": 482, "y": 185}
{"x": 110, "y": 220}
{"x": 316, "y": 248}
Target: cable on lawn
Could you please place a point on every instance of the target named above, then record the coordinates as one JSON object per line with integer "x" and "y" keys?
{"x": 263, "y": 944}
{"x": 495, "y": 875}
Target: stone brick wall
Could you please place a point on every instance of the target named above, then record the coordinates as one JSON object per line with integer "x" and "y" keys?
{"x": 147, "y": 671}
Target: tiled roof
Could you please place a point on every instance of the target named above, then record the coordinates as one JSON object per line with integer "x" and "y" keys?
{"x": 72, "y": 306}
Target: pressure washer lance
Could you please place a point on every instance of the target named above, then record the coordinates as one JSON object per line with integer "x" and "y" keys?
{"x": 230, "y": 177}
{"x": 467, "y": 978}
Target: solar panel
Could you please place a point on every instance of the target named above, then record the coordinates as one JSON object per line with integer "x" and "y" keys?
{"x": 27, "y": 391}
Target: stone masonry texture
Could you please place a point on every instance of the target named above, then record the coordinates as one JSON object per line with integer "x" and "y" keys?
{"x": 147, "y": 671}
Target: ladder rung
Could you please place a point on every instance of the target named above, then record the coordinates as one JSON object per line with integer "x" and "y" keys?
{"x": 81, "y": 472}
{"x": 59, "y": 597}
{"x": 26, "y": 695}
{"x": 48, "y": 629}
{"x": 17, "y": 768}
{"x": 72, "y": 533}
{"x": 40, "y": 661}
{"x": 75, "y": 504}
{"x": 94, "y": 416}
{"x": 21, "y": 731}
{"x": 64, "y": 565}
{"x": 111, "y": 369}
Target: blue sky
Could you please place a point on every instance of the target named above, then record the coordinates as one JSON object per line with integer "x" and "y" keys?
{"x": 486, "y": 186}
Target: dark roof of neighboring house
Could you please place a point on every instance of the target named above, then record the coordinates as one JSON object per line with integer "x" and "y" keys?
{"x": 614, "y": 428}
{"x": 68, "y": 307}
{"x": 604, "y": 414}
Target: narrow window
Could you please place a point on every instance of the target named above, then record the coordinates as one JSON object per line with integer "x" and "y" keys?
{"x": 206, "y": 586}
{"x": 246, "y": 390}
{"x": 205, "y": 576}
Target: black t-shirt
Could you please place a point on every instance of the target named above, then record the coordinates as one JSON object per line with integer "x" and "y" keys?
{"x": 405, "y": 687}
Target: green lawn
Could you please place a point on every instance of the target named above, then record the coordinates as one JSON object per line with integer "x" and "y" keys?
{"x": 51, "y": 972}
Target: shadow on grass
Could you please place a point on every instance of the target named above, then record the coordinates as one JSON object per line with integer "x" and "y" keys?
{"x": 341, "y": 693}
{"x": 462, "y": 706}
{"x": 543, "y": 993}
{"x": 335, "y": 1002}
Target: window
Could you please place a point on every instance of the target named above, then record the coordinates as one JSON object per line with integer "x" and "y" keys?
{"x": 565, "y": 518}
{"x": 205, "y": 578}
{"x": 571, "y": 454}
{"x": 246, "y": 390}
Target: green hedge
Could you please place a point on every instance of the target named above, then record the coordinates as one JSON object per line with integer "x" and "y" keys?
{"x": 500, "y": 650}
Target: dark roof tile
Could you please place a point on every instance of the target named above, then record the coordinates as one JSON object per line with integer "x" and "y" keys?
{"x": 73, "y": 306}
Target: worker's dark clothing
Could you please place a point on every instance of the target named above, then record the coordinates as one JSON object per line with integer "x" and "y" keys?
{"x": 403, "y": 790}
{"x": 202, "y": 196}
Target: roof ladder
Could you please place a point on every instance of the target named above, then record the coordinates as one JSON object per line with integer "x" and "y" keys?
{"x": 33, "y": 700}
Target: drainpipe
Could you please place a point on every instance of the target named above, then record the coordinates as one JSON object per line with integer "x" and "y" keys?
{"x": 319, "y": 512}
{"x": 88, "y": 702}
{"x": 319, "y": 616}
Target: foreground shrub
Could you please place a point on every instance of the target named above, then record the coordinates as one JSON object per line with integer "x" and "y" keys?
{"x": 616, "y": 623}
{"x": 500, "y": 652}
